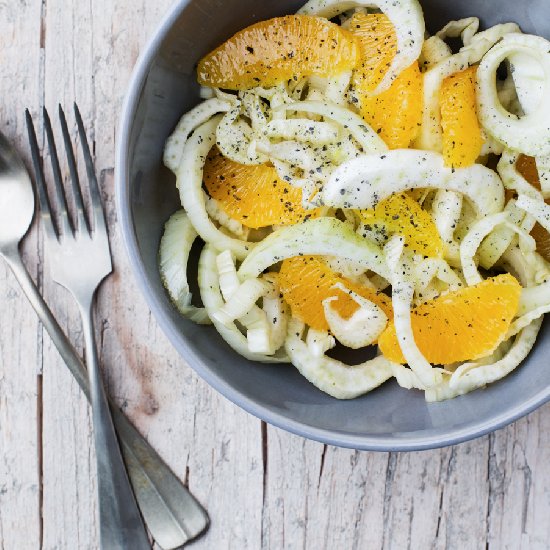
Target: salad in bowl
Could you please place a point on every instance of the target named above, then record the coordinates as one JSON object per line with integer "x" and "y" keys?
{"x": 357, "y": 183}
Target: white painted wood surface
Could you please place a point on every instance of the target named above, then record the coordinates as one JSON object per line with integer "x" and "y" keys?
{"x": 263, "y": 488}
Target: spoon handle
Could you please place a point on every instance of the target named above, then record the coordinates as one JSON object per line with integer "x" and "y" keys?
{"x": 172, "y": 514}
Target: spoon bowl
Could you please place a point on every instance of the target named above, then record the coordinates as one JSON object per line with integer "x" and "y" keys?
{"x": 16, "y": 196}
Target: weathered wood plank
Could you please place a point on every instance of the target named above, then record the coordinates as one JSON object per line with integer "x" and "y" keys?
{"x": 69, "y": 481}
{"x": 209, "y": 443}
{"x": 20, "y": 336}
{"x": 323, "y": 497}
{"x": 263, "y": 488}
{"x": 319, "y": 497}
{"x": 519, "y": 484}
{"x": 463, "y": 505}
{"x": 19, "y": 419}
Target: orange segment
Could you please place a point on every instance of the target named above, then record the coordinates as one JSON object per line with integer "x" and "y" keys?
{"x": 462, "y": 138}
{"x": 401, "y": 214}
{"x": 527, "y": 167}
{"x": 277, "y": 50}
{"x": 460, "y": 326}
{"x": 253, "y": 195}
{"x": 307, "y": 280}
{"x": 378, "y": 46}
{"x": 542, "y": 238}
{"x": 396, "y": 113}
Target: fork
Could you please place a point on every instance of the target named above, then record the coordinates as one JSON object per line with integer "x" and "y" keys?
{"x": 80, "y": 259}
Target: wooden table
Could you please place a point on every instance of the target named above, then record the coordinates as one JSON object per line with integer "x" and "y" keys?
{"x": 262, "y": 487}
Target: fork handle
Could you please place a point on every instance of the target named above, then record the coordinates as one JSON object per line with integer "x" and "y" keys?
{"x": 171, "y": 512}
{"x": 121, "y": 526}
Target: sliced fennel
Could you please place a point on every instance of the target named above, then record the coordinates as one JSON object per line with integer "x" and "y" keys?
{"x": 529, "y": 134}
{"x": 212, "y": 299}
{"x": 495, "y": 245}
{"x": 310, "y": 131}
{"x": 299, "y": 155}
{"x": 365, "y": 181}
{"x": 472, "y": 241}
{"x": 190, "y": 121}
{"x": 369, "y": 140}
{"x": 175, "y": 246}
{"x": 318, "y": 341}
{"x": 480, "y": 230}
{"x": 217, "y": 214}
{"x": 324, "y": 237}
{"x": 276, "y": 311}
{"x": 407, "y": 378}
{"x": 254, "y": 109}
{"x": 237, "y": 140}
{"x": 241, "y": 302}
{"x": 265, "y": 326}
{"x": 528, "y": 77}
{"x": 465, "y": 28}
{"x": 330, "y": 375}
{"x": 363, "y": 328}
{"x": 402, "y": 299}
{"x": 534, "y": 297}
{"x": 337, "y": 87}
{"x": 446, "y": 212}
{"x": 511, "y": 178}
{"x": 537, "y": 208}
{"x": 446, "y": 209}
{"x": 429, "y": 137}
{"x": 434, "y": 50}
{"x": 429, "y": 269}
{"x": 350, "y": 270}
{"x": 521, "y": 322}
{"x": 189, "y": 182}
{"x": 228, "y": 280}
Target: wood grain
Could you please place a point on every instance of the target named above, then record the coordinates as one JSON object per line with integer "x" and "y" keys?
{"x": 264, "y": 488}
{"x": 21, "y": 352}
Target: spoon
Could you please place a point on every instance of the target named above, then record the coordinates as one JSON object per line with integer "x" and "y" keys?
{"x": 172, "y": 514}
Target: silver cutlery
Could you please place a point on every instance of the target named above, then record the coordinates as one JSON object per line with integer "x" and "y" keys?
{"x": 79, "y": 258}
{"x": 170, "y": 511}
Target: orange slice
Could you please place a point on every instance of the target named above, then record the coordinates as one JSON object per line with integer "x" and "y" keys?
{"x": 277, "y": 50}
{"x": 307, "y": 280}
{"x": 253, "y": 195}
{"x": 542, "y": 238}
{"x": 460, "y": 326}
{"x": 401, "y": 214}
{"x": 378, "y": 46}
{"x": 527, "y": 167}
{"x": 462, "y": 138}
{"x": 396, "y": 113}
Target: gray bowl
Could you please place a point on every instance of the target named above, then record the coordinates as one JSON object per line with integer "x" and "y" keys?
{"x": 163, "y": 87}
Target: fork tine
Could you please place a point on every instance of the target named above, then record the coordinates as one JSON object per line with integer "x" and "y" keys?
{"x": 81, "y": 220}
{"x": 65, "y": 225}
{"x": 95, "y": 196}
{"x": 43, "y": 199}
